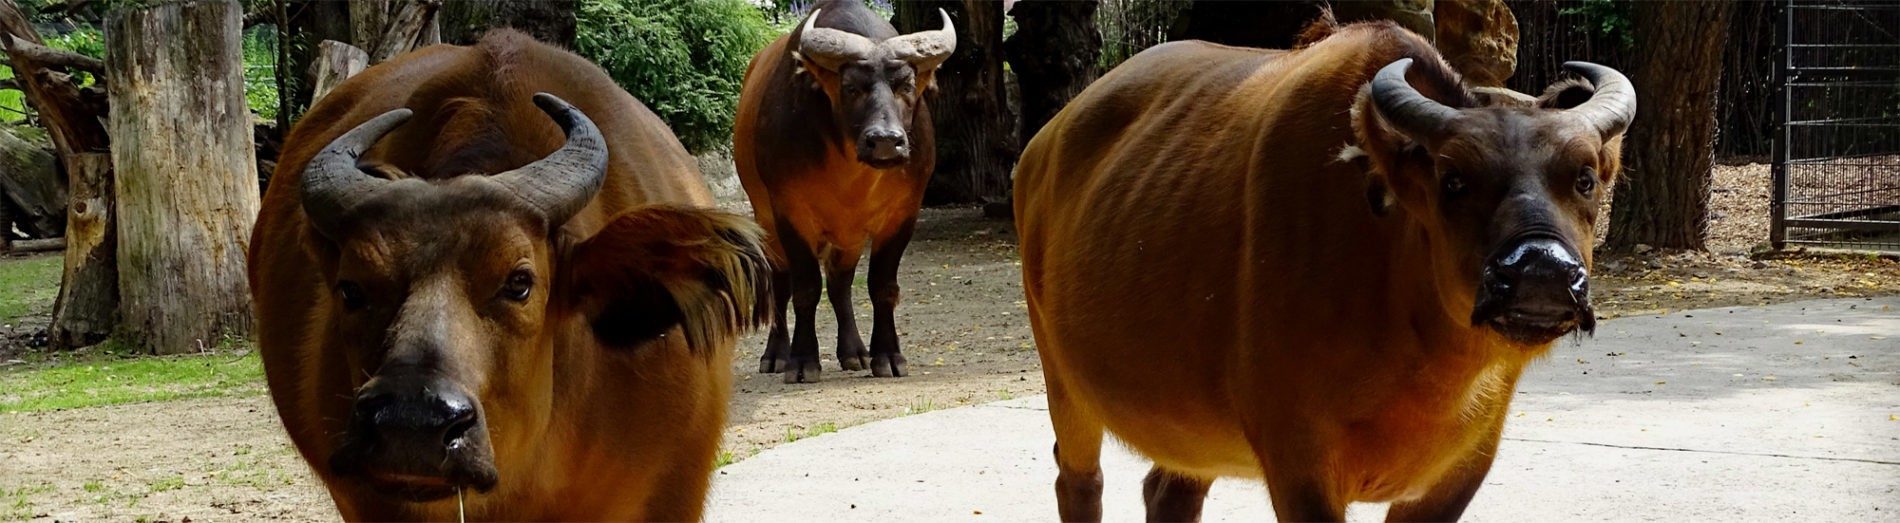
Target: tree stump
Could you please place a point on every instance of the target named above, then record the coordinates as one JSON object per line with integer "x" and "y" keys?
{"x": 185, "y": 178}
{"x": 336, "y": 62}
{"x": 88, "y": 305}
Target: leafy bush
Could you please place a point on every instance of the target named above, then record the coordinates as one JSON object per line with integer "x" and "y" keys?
{"x": 685, "y": 60}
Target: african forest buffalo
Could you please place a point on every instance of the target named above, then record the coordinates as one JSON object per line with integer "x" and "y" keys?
{"x": 463, "y": 286}
{"x": 1323, "y": 267}
{"x": 833, "y": 145}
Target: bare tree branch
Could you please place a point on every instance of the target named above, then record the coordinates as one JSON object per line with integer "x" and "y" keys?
{"x": 50, "y": 56}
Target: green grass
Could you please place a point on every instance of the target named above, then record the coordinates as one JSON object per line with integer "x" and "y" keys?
{"x": 28, "y": 285}
{"x": 15, "y": 503}
{"x": 725, "y": 458}
{"x": 98, "y": 380}
{"x": 792, "y": 434}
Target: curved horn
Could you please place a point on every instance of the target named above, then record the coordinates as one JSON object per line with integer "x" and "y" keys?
{"x": 1613, "y": 106}
{"x": 829, "y": 47}
{"x": 925, "y": 49}
{"x": 1402, "y": 105}
{"x": 332, "y": 183}
{"x": 560, "y": 184}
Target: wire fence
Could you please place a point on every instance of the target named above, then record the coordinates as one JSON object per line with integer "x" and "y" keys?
{"x": 1837, "y": 165}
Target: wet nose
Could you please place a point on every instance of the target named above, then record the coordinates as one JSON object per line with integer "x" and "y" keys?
{"x": 1537, "y": 285}
{"x": 415, "y": 416}
{"x": 884, "y": 144}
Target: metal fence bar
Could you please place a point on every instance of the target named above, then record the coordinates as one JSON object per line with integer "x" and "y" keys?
{"x": 1836, "y": 171}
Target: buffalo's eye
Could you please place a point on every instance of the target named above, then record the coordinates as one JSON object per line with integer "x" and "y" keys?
{"x": 519, "y": 285}
{"x": 1454, "y": 185}
{"x": 1587, "y": 182}
{"x": 904, "y": 86}
{"x": 351, "y": 294}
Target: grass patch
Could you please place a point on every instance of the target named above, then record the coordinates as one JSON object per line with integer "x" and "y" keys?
{"x": 29, "y": 285}
{"x": 725, "y": 458}
{"x": 16, "y": 501}
{"x": 792, "y": 434}
{"x": 920, "y": 407}
{"x": 106, "y": 379}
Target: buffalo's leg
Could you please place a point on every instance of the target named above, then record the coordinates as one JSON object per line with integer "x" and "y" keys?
{"x": 887, "y": 360}
{"x": 778, "y": 343}
{"x": 1295, "y": 477}
{"x": 1172, "y": 496}
{"x": 1078, "y": 457}
{"x": 839, "y": 271}
{"x": 1447, "y": 499}
{"x": 802, "y": 364}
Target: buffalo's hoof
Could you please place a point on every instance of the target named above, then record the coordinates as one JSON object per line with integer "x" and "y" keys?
{"x": 803, "y": 370}
{"x": 889, "y": 365}
{"x": 854, "y": 358}
{"x": 771, "y": 365}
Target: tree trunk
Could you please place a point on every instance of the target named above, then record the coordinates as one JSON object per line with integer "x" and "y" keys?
{"x": 368, "y": 20}
{"x": 465, "y": 21}
{"x": 336, "y": 62}
{"x": 1664, "y": 199}
{"x": 403, "y": 30}
{"x": 88, "y": 305}
{"x": 31, "y": 184}
{"x": 1054, "y": 55}
{"x": 187, "y": 180}
{"x": 312, "y": 22}
{"x": 976, "y": 145}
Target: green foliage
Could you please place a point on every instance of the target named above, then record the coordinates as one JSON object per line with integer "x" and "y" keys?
{"x": 1609, "y": 18}
{"x": 260, "y": 71}
{"x": 685, "y": 60}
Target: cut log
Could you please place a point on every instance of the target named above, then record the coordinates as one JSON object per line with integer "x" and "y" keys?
{"x": 185, "y": 175}
{"x": 88, "y": 305}
{"x": 42, "y": 245}
{"x": 30, "y": 182}
{"x": 336, "y": 62}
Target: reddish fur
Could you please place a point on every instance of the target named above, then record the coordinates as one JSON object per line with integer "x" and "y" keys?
{"x": 1206, "y": 280}
{"x": 581, "y": 430}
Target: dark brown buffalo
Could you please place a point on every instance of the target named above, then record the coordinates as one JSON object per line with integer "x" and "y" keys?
{"x": 1324, "y": 267}
{"x": 833, "y": 145}
{"x": 462, "y": 285}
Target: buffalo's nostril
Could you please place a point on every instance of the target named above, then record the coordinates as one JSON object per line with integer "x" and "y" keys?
{"x": 452, "y": 438}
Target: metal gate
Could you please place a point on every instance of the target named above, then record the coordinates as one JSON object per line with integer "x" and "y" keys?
{"x": 1837, "y": 164}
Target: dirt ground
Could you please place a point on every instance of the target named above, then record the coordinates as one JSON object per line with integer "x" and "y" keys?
{"x": 963, "y": 329}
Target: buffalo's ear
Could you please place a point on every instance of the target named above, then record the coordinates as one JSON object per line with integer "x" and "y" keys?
{"x": 1566, "y": 94}
{"x": 657, "y": 267}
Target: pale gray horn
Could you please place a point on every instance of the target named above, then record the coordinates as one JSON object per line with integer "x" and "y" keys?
{"x": 560, "y": 184}
{"x": 1402, "y": 105}
{"x": 925, "y": 49}
{"x": 830, "y": 48}
{"x": 332, "y": 184}
{"x": 1613, "y": 107}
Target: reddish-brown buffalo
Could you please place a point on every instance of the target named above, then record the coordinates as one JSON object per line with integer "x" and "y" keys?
{"x": 464, "y": 286}
{"x": 833, "y": 144}
{"x": 1324, "y": 267}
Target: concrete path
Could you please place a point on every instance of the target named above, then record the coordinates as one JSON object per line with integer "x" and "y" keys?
{"x": 1780, "y": 413}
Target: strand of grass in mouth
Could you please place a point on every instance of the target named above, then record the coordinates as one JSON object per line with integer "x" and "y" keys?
{"x": 461, "y": 510}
